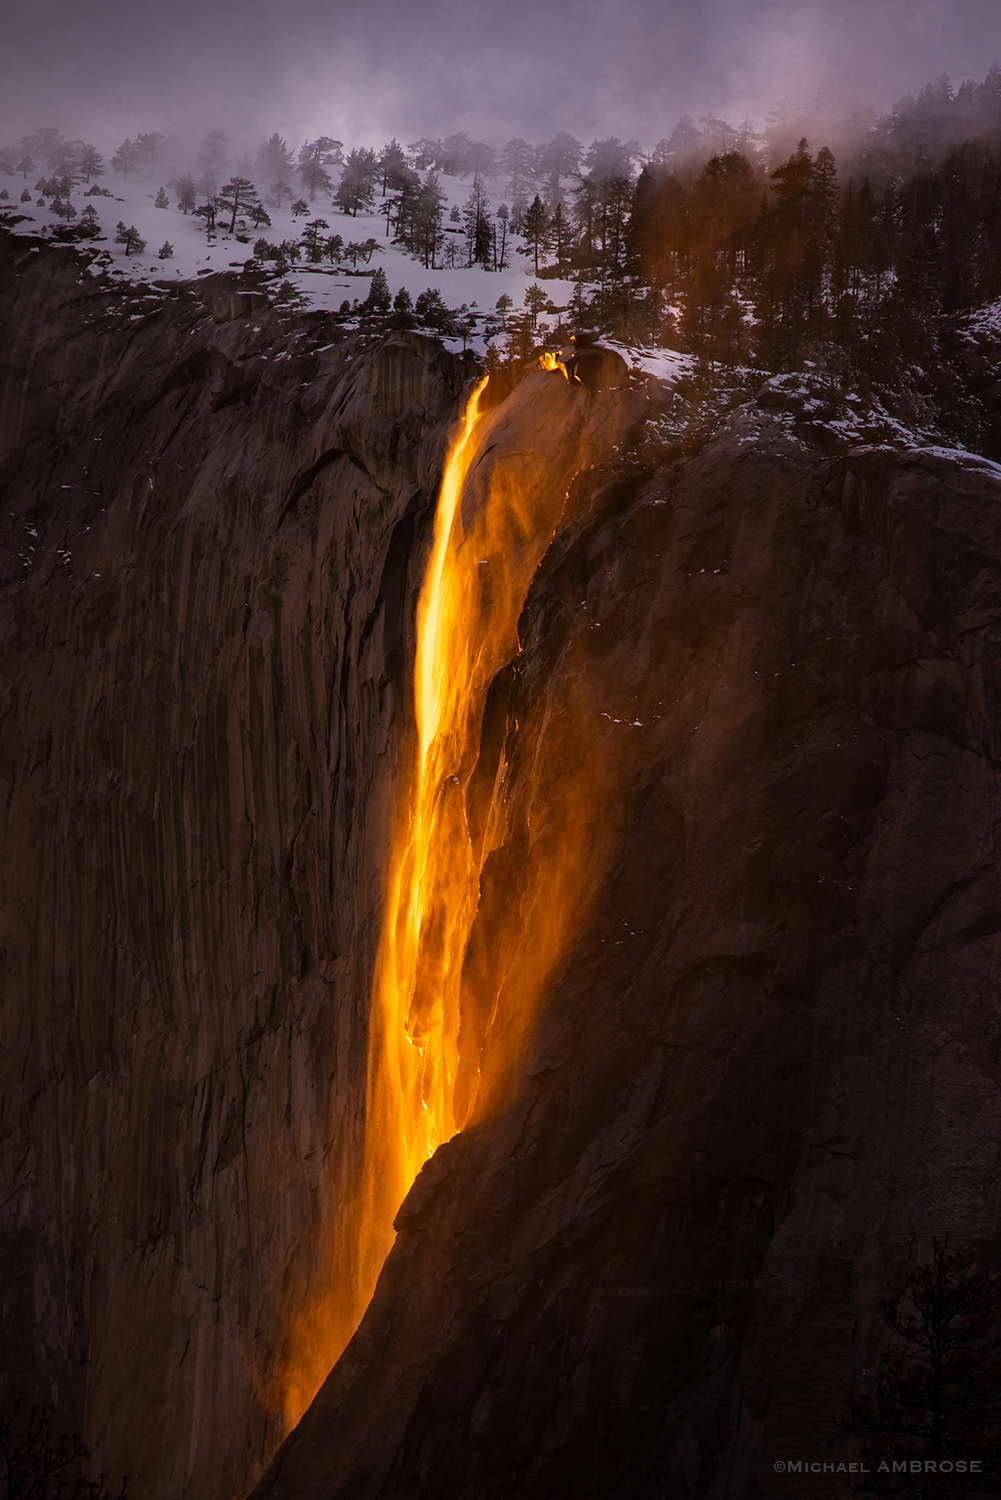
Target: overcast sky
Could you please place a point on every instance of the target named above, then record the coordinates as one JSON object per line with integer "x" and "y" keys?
{"x": 368, "y": 70}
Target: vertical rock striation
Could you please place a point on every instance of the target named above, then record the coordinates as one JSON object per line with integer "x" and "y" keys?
{"x": 212, "y": 535}
{"x": 765, "y": 1073}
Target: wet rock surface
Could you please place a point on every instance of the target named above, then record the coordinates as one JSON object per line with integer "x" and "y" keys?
{"x": 765, "y": 1075}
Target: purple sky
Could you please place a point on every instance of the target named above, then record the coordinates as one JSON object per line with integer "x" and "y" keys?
{"x": 366, "y": 71}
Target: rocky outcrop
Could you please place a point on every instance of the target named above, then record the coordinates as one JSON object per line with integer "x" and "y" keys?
{"x": 764, "y": 1075}
{"x": 767, "y": 1074}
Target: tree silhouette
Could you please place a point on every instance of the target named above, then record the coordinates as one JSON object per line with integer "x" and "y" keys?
{"x": 536, "y": 228}
{"x": 91, "y": 162}
{"x": 127, "y": 157}
{"x": 314, "y": 159}
{"x": 38, "y": 1464}
{"x": 936, "y": 1396}
{"x": 130, "y": 238}
{"x": 238, "y": 196}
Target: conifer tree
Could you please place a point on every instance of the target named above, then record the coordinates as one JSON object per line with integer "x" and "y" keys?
{"x": 427, "y": 217}
{"x": 503, "y": 219}
{"x": 937, "y": 1388}
{"x": 275, "y": 164}
{"x": 213, "y": 155}
{"x": 127, "y": 157}
{"x": 535, "y": 302}
{"x": 311, "y": 238}
{"x": 535, "y": 229}
{"x": 91, "y": 162}
{"x": 238, "y": 196}
{"x": 393, "y": 166}
{"x": 379, "y": 299}
{"x": 207, "y": 212}
{"x": 148, "y": 147}
{"x": 130, "y": 238}
{"x": 279, "y": 192}
{"x": 356, "y": 189}
{"x": 315, "y": 158}
{"x": 478, "y": 226}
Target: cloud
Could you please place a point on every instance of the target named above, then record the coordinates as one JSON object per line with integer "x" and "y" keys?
{"x": 411, "y": 67}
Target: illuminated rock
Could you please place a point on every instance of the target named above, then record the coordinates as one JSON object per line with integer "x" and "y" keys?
{"x": 759, "y": 692}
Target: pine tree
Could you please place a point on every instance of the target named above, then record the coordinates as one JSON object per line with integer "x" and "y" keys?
{"x": 127, "y": 157}
{"x": 379, "y": 299}
{"x": 937, "y": 1389}
{"x": 89, "y": 227}
{"x": 237, "y": 196}
{"x": 426, "y": 220}
{"x": 560, "y": 157}
{"x": 130, "y": 238}
{"x": 393, "y": 166}
{"x": 161, "y": 200}
{"x": 311, "y": 238}
{"x": 356, "y": 189}
{"x": 314, "y": 159}
{"x": 148, "y": 147}
{"x": 47, "y": 143}
{"x": 503, "y": 218}
{"x": 91, "y": 162}
{"x": 207, "y": 212}
{"x": 186, "y": 193}
{"x": 278, "y": 193}
{"x": 431, "y": 309}
{"x": 165, "y": 251}
{"x": 519, "y": 161}
{"x": 213, "y": 155}
{"x": 559, "y": 231}
{"x": 478, "y": 226}
{"x": 275, "y": 164}
{"x": 535, "y": 229}
{"x": 536, "y": 301}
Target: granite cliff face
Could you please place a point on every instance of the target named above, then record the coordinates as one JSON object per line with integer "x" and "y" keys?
{"x": 765, "y": 1074}
{"x": 211, "y": 532}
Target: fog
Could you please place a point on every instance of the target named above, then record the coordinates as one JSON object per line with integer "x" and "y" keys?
{"x": 364, "y": 72}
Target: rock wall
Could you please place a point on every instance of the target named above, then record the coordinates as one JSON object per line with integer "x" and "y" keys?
{"x": 212, "y": 531}
{"x": 766, "y": 1073}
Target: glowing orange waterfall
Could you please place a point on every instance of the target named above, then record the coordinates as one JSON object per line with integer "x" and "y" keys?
{"x": 414, "y": 1016}
{"x": 495, "y": 520}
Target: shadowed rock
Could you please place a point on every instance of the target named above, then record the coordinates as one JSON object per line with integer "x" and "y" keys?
{"x": 765, "y": 1075}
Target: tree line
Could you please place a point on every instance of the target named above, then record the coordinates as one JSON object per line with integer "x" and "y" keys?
{"x": 714, "y": 240}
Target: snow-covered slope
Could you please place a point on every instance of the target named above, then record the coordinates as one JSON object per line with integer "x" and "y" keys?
{"x": 323, "y": 286}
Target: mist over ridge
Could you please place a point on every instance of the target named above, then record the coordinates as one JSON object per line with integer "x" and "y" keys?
{"x": 368, "y": 73}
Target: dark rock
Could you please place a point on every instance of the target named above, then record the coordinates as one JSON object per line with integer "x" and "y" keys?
{"x": 597, "y": 369}
{"x": 766, "y": 1076}
{"x": 765, "y": 1073}
{"x": 208, "y": 573}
